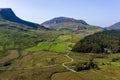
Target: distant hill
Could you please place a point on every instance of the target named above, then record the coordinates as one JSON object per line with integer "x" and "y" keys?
{"x": 65, "y": 23}
{"x": 55, "y": 22}
{"x": 115, "y": 26}
{"x": 6, "y": 14}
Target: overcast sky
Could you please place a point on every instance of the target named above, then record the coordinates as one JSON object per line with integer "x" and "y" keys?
{"x": 96, "y": 12}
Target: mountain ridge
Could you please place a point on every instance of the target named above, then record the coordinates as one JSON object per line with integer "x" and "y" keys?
{"x": 9, "y": 15}
{"x": 115, "y": 26}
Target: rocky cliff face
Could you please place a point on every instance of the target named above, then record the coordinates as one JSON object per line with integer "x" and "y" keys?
{"x": 9, "y": 15}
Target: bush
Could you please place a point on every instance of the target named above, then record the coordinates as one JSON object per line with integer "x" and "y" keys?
{"x": 86, "y": 66}
{"x": 7, "y": 64}
{"x": 99, "y": 56}
{"x": 115, "y": 59}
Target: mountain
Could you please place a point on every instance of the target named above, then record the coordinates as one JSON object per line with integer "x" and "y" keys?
{"x": 115, "y": 26}
{"x": 69, "y": 24}
{"x": 7, "y": 14}
{"x": 55, "y": 22}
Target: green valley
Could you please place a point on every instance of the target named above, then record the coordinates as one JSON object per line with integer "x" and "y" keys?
{"x": 62, "y": 48}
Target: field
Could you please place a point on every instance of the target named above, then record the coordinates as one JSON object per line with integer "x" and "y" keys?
{"x": 45, "y": 60}
{"x": 109, "y": 67}
{"x": 48, "y": 46}
{"x": 57, "y": 45}
{"x": 108, "y": 70}
{"x": 9, "y": 56}
{"x": 34, "y": 74}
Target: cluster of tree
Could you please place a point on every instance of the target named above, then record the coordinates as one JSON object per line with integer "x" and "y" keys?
{"x": 86, "y": 65}
{"x": 101, "y": 42}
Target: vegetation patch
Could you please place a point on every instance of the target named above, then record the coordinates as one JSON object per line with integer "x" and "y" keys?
{"x": 116, "y": 59}
{"x": 59, "y": 47}
{"x": 48, "y": 46}
{"x": 1, "y": 48}
{"x": 39, "y": 47}
{"x": 101, "y": 42}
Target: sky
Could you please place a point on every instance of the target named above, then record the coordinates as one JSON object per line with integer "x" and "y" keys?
{"x": 95, "y": 12}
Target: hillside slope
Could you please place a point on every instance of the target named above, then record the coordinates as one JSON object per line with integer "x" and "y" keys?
{"x": 101, "y": 42}
{"x": 115, "y": 26}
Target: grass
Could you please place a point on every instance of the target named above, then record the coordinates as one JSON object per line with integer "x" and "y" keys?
{"x": 35, "y": 74}
{"x": 57, "y": 47}
{"x": 108, "y": 71}
{"x": 60, "y": 47}
{"x": 45, "y": 54}
{"x": 84, "y": 75}
{"x": 39, "y": 47}
{"x": 2, "y": 54}
{"x": 70, "y": 27}
{"x": 99, "y": 58}
{"x": 38, "y": 59}
{"x": 58, "y": 44}
{"x": 1, "y": 48}
{"x": 65, "y": 37}
{"x": 11, "y": 55}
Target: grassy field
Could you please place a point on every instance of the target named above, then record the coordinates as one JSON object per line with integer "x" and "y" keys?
{"x": 11, "y": 55}
{"x": 34, "y": 59}
{"x": 52, "y": 51}
{"x": 39, "y": 47}
{"x": 1, "y": 48}
{"x": 2, "y": 55}
{"x": 35, "y": 74}
{"x": 108, "y": 63}
{"x": 88, "y": 75}
{"x": 59, "y": 44}
{"x": 109, "y": 70}
{"x": 56, "y": 46}
{"x": 39, "y": 59}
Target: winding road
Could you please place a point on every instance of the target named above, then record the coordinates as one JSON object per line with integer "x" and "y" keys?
{"x": 67, "y": 55}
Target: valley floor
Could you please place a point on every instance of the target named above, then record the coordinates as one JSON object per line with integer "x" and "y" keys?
{"x": 55, "y": 61}
{"x": 45, "y": 69}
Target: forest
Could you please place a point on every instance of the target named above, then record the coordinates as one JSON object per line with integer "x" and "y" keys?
{"x": 107, "y": 41}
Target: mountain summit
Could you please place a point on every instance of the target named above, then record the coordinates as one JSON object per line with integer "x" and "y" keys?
{"x": 7, "y": 14}
{"x": 55, "y": 22}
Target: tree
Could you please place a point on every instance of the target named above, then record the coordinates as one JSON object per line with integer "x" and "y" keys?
{"x": 98, "y": 42}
